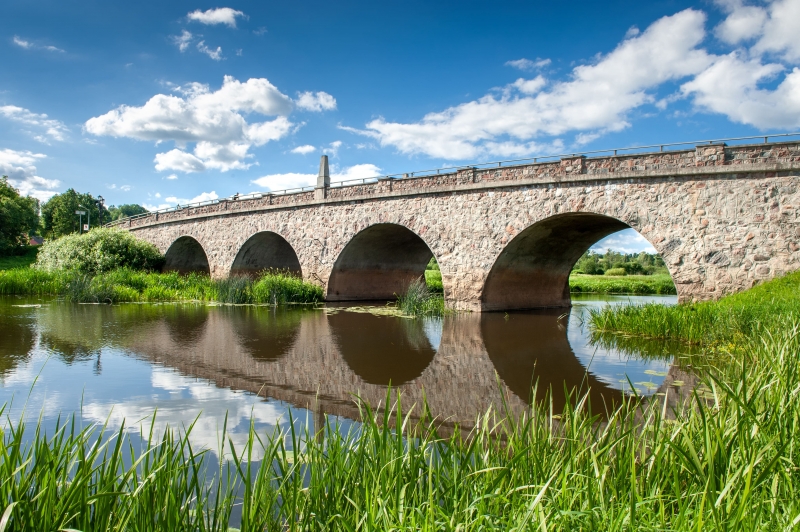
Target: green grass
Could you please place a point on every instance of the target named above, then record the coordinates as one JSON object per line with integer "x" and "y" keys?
{"x": 433, "y": 279}
{"x": 24, "y": 258}
{"x": 729, "y": 461}
{"x": 712, "y": 322}
{"x": 419, "y": 300}
{"x": 629, "y": 284}
{"x": 126, "y": 285}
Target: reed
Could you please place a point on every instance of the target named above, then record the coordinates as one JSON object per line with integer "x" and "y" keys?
{"x": 419, "y": 300}
{"x": 727, "y": 460}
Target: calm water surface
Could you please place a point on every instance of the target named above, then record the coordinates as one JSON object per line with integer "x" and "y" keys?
{"x": 122, "y": 362}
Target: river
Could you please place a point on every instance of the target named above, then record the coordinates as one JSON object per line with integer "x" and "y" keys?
{"x": 109, "y": 363}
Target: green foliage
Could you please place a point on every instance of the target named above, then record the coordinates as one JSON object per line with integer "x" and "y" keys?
{"x": 712, "y": 322}
{"x": 433, "y": 278}
{"x": 19, "y": 218}
{"x": 727, "y": 459}
{"x": 420, "y": 301}
{"x": 59, "y": 218}
{"x": 592, "y": 263}
{"x": 631, "y": 284}
{"x": 99, "y": 250}
{"x": 21, "y": 257}
{"x": 615, "y": 272}
{"x": 432, "y": 265}
{"x": 123, "y": 211}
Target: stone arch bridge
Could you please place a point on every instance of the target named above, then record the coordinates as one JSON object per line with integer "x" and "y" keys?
{"x": 506, "y": 237}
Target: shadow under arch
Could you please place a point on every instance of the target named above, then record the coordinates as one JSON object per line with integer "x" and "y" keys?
{"x": 186, "y": 255}
{"x": 266, "y": 251}
{"x": 378, "y": 263}
{"x": 382, "y": 350}
{"x": 533, "y": 269}
{"x": 265, "y": 333}
{"x": 522, "y": 360}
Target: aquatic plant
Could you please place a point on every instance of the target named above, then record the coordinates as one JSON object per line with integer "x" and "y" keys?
{"x": 420, "y": 301}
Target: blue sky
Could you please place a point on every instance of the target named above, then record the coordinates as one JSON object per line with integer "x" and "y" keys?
{"x": 164, "y": 102}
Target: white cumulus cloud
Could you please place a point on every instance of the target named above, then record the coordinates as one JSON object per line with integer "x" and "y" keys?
{"x": 596, "y": 97}
{"x": 205, "y": 196}
{"x": 315, "y": 101}
{"x": 20, "y": 167}
{"x": 220, "y": 15}
{"x": 527, "y": 64}
{"x": 49, "y": 128}
{"x": 304, "y": 150}
{"x": 774, "y": 27}
{"x": 183, "y": 40}
{"x": 297, "y": 180}
{"x": 215, "y": 54}
{"x": 214, "y": 120}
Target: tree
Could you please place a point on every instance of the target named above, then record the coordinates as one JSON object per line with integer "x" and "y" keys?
{"x": 59, "y": 218}
{"x": 124, "y": 211}
{"x": 18, "y": 217}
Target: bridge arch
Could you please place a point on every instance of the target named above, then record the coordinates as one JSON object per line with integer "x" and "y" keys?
{"x": 265, "y": 250}
{"x": 533, "y": 269}
{"x": 378, "y": 263}
{"x": 186, "y": 255}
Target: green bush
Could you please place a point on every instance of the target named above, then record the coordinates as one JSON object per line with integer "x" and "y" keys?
{"x": 98, "y": 251}
{"x": 616, "y": 272}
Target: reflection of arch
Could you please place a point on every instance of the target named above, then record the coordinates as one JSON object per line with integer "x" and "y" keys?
{"x": 521, "y": 358}
{"x": 186, "y": 255}
{"x": 264, "y": 333}
{"x": 265, "y": 250}
{"x": 379, "y": 262}
{"x": 382, "y": 350}
{"x": 186, "y": 323}
{"x": 533, "y": 269}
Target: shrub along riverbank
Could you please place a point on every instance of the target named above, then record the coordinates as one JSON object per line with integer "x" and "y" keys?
{"x": 727, "y": 461}
{"x": 126, "y": 285}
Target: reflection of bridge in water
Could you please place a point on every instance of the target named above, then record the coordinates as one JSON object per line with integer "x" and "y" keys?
{"x": 318, "y": 360}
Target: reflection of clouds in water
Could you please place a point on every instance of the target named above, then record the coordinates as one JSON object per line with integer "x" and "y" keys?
{"x": 433, "y": 330}
{"x": 190, "y": 399}
{"x": 611, "y": 366}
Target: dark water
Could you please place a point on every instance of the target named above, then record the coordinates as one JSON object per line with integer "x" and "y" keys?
{"x": 109, "y": 363}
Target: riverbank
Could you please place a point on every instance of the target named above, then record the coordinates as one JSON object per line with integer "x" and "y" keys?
{"x": 763, "y": 307}
{"x": 126, "y": 285}
{"x": 659, "y": 284}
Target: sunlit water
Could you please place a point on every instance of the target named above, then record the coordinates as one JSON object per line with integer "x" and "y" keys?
{"x": 189, "y": 361}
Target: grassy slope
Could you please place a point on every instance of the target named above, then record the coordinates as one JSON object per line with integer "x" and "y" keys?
{"x": 709, "y": 322}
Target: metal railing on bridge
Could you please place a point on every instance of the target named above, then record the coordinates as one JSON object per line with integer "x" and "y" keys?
{"x": 674, "y": 146}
